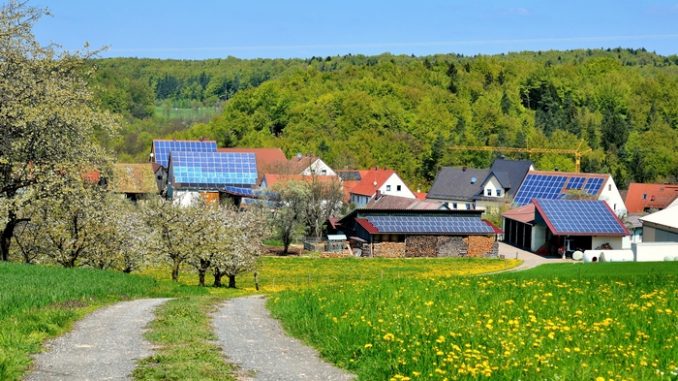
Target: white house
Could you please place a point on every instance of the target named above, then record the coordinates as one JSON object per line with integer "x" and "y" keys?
{"x": 373, "y": 182}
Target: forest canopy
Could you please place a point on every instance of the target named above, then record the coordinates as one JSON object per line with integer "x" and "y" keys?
{"x": 402, "y": 112}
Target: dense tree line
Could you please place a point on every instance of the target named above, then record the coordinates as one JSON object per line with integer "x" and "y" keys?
{"x": 402, "y": 112}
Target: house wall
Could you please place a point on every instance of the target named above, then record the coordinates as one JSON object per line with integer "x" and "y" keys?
{"x": 390, "y": 187}
{"x": 615, "y": 242}
{"x": 611, "y": 195}
{"x": 461, "y": 204}
{"x": 319, "y": 168}
{"x": 185, "y": 198}
{"x": 492, "y": 185}
{"x": 654, "y": 251}
{"x": 538, "y": 237}
{"x": 654, "y": 234}
{"x": 359, "y": 200}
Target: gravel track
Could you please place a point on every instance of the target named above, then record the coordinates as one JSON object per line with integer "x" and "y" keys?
{"x": 103, "y": 346}
{"x": 256, "y": 342}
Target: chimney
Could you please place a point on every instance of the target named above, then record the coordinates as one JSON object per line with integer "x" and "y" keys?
{"x": 377, "y": 195}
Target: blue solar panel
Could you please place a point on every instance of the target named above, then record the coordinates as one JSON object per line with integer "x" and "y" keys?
{"x": 163, "y": 148}
{"x": 429, "y": 224}
{"x": 212, "y": 170}
{"x": 240, "y": 191}
{"x": 575, "y": 182}
{"x": 555, "y": 186}
{"x": 580, "y": 217}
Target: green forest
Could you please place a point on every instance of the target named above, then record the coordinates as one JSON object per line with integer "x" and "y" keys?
{"x": 403, "y": 112}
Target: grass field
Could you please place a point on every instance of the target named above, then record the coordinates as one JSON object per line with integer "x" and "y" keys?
{"x": 289, "y": 273}
{"x": 38, "y": 302}
{"x": 556, "y": 322}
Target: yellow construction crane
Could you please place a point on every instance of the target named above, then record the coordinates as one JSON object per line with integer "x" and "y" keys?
{"x": 576, "y": 152}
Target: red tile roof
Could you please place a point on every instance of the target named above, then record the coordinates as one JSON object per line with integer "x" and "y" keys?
{"x": 657, "y": 196}
{"x": 497, "y": 229}
{"x": 524, "y": 214}
{"x": 420, "y": 195}
{"x": 371, "y": 180}
{"x": 367, "y": 225}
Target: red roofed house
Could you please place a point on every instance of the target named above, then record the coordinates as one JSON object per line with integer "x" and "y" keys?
{"x": 646, "y": 197}
{"x": 361, "y": 186}
{"x": 269, "y": 180}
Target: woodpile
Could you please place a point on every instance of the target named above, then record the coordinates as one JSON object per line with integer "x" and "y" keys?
{"x": 421, "y": 246}
{"x": 480, "y": 246}
{"x": 389, "y": 249}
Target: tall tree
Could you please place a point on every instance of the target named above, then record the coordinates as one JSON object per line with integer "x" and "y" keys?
{"x": 47, "y": 115}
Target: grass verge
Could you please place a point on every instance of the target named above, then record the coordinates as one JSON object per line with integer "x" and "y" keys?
{"x": 184, "y": 341}
{"x": 40, "y": 302}
{"x": 614, "y": 321}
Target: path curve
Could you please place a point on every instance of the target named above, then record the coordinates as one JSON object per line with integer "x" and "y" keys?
{"x": 256, "y": 342}
{"x": 530, "y": 260}
{"x": 103, "y": 346}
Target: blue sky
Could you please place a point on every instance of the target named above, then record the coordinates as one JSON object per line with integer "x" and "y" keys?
{"x": 266, "y": 28}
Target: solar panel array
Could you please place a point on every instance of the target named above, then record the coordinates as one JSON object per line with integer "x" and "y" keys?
{"x": 163, "y": 148}
{"x": 555, "y": 186}
{"x": 240, "y": 191}
{"x": 213, "y": 169}
{"x": 429, "y": 224}
{"x": 581, "y": 217}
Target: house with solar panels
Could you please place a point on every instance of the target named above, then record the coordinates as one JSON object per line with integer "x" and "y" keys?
{"x": 569, "y": 185}
{"x": 550, "y": 226}
{"x": 418, "y": 233}
{"x": 485, "y": 189}
{"x": 187, "y": 171}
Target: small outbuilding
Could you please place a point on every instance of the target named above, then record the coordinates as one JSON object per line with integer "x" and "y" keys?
{"x": 554, "y": 226}
{"x": 420, "y": 233}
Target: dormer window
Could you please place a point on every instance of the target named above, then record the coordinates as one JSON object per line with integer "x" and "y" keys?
{"x": 489, "y": 191}
{"x": 498, "y": 192}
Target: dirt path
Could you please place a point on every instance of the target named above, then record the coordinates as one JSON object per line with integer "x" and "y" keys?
{"x": 530, "y": 260}
{"x": 103, "y": 346}
{"x": 256, "y": 342}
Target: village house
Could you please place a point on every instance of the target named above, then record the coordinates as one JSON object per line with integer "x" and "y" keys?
{"x": 484, "y": 189}
{"x": 361, "y": 186}
{"x": 549, "y": 226}
{"x": 417, "y": 233}
{"x": 269, "y": 160}
{"x": 644, "y": 198}
{"x": 661, "y": 226}
{"x": 570, "y": 185}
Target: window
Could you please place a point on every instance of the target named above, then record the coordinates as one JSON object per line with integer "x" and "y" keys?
{"x": 454, "y": 205}
{"x": 388, "y": 188}
{"x": 324, "y": 172}
{"x": 644, "y": 196}
{"x": 609, "y": 187}
{"x": 489, "y": 192}
{"x": 468, "y": 206}
{"x": 498, "y": 192}
{"x": 399, "y": 188}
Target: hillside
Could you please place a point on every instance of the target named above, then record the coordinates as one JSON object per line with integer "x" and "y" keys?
{"x": 401, "y": 111}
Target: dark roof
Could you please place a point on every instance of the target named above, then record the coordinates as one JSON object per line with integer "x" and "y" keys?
{"x": 510, "y": 173}
{"x": 580, "y": 218}
{"x": 455, "y": 183}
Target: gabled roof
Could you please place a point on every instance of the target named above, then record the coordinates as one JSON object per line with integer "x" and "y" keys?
{"x": 667, "y": 217}
{"x": 651, "y": 196}
{"x": 524, "y": 214}
{"x": 371, "y": 180}
{"x": 162, "y": 148}
{"x": 133, "y": 178}
{"x": 510, "y": 173}
{"x": 212, "y": 170}
{"x": 420, "y": 222}
{"x": 298, "y": 164}
{"x": 456, "y": 183}
{"x": 396, "y": 202}
{"x": 268, "y": 159}
{"x": 580, "y": 218}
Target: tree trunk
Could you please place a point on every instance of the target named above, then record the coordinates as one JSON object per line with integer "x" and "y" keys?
{"x": 217, "y": 278}
{"x": 231, "y": 281}
{"x": 7, "y": 235}
{"x": 175, "y": 271}
{"x": 201, "y": 277}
